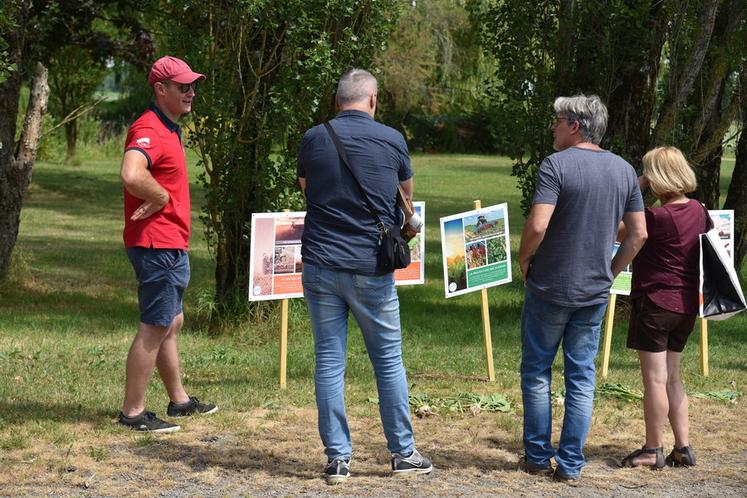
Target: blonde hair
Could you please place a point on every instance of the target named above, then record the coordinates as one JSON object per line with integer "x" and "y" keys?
{"x": 668, "y": 172}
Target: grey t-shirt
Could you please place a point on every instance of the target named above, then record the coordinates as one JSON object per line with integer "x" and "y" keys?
{"x": 591, "y": 191}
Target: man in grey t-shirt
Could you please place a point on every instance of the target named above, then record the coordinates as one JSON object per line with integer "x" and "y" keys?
{"x": 582, "y": 194}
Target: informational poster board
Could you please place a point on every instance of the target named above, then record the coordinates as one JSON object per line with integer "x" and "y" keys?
{"x": 621, "y": 284}
{"x": 476, "y": 250}
{"x": 415, "y": 273}
{"x": 723, "y": 221}
{"x": 275, "y": 269}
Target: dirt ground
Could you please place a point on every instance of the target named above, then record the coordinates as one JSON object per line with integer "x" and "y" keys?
{"x": 278, "y": 453}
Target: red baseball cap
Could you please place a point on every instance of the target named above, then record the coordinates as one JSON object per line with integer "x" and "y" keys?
{"x": 172, "y": 69}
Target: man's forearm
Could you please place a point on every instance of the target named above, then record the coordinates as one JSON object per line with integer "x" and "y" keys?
{"x": 408, "y": 187}
{"x": 530, "y": 241}
{"x": 145, "y": 187}
{"x": 629, "y": 247}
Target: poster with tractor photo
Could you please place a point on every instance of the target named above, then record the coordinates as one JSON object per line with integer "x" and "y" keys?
{"x": 476, "y": 250}
{"x": 275, "y": 268}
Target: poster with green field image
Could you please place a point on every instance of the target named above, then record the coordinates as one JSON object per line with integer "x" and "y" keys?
{"x": 621, "y": 284}
{"x": 476, "y": 250}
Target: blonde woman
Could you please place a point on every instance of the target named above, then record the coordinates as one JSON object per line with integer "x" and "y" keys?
{"x": 664, "y": 303}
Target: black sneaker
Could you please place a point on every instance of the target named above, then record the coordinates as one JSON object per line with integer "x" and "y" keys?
{"x": 337, "y": 470}
{"x": 147, "y": 422}
{"x": 189, "y": 407}
{"x": 415, "y": 463}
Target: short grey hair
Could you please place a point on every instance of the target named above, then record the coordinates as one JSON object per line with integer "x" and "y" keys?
{"x": 589, "y": 112}
{"x": 354, "y": 86}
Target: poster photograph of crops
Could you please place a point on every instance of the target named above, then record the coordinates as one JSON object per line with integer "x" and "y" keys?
{"x": 476, "y": 250}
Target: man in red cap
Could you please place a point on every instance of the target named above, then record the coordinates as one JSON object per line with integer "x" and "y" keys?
{"x": 156, "y": 237}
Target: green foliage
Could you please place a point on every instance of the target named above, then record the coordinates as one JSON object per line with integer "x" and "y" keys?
{"x": 271, "y": 71}
{"x": 639, "y": 57}
{"x": 520, "y": 35}
{"x": 496, "y": 250}
{"x": 428, "y": 78}
{"x": 619, "y": 391}
{"x": 724, "y": 395}
{"x": 424, "y": 405}
{"x": 74, "y": 76}
{"x": 6, "y": 66}
{"x": 130, "y": 84}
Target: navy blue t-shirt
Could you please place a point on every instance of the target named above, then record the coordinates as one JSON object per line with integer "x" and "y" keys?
{"x": 340, "y": 231}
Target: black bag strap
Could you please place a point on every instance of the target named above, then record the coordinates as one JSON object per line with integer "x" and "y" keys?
{"x": 344, "y": 156}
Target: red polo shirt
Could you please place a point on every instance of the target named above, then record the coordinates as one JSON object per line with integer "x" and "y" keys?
{"x": 159, "y": 140}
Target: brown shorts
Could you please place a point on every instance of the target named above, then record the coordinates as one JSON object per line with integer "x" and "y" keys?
{"x": 655, "y": 329}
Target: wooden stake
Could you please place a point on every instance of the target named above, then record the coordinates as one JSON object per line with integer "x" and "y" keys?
{"x": 283, "y": 350}
{"x": 609, "y": 323}
{"x": 487, "y": 338}
{"x": 704, "y": 347}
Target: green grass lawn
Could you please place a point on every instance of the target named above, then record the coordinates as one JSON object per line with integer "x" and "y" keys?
{"x": 69, "y": 312}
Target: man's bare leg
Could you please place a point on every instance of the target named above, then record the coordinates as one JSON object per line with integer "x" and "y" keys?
{"x": 168, "y": 362}
{"x": 140, "y": 363}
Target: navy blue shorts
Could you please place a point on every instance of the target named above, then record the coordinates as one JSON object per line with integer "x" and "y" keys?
{"x": 162, "y": 275}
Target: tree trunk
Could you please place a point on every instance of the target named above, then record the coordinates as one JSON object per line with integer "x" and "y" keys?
{"x": 736, "y": 198}
{"x": 717, "y": 68}
{"x": 690, "y": 70}
{"x": 16, "y": 171}
{"x": 709, "y": 176}
{"x": 71, "y": 138}
{"x": 564, "y": 56}
{"x": 631, "y": 102}
{"x": 706, "y": 156}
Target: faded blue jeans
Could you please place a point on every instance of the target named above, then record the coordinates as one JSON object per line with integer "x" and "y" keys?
{"x": 543, "y": 327}
{"x": 329, "y": 295}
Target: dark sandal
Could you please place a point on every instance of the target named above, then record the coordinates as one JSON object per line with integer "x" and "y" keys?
{"x": 628, "y": 461}
{"x": 681, "y": 457}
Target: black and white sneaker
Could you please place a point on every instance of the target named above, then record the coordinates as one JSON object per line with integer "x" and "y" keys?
{"x": 189, "y": 407}
{"x": 337, "y": 470}
{"x": 414, "y": 463}
{"x": 147, "y": 422}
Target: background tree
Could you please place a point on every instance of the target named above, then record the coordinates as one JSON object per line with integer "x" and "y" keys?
{"x": 73, "y": 80}
{"x": 16, "y": 158}
{"x": 429, "y": 77}
{"x": 670, "y": 72}
{"x": 271, "y": 71}
{"x": 75, "y": 22}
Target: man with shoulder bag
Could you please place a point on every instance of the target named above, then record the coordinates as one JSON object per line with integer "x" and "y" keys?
{"x": 349, "y": 170}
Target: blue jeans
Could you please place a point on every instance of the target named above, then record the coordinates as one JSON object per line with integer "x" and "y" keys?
{"x": 543, "y": 326}
{"x": 329, "y": 295}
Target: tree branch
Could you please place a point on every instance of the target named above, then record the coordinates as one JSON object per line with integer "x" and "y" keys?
{"x": 691, "y": 68}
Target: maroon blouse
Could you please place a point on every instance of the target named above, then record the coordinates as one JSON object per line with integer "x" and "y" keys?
{"x": 666, "y": 269}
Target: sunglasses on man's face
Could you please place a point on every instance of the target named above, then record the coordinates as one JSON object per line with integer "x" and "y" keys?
{"x": 183, "y": 87}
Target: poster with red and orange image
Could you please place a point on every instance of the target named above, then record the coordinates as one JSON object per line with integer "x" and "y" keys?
{"x": 276, "y": 263}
